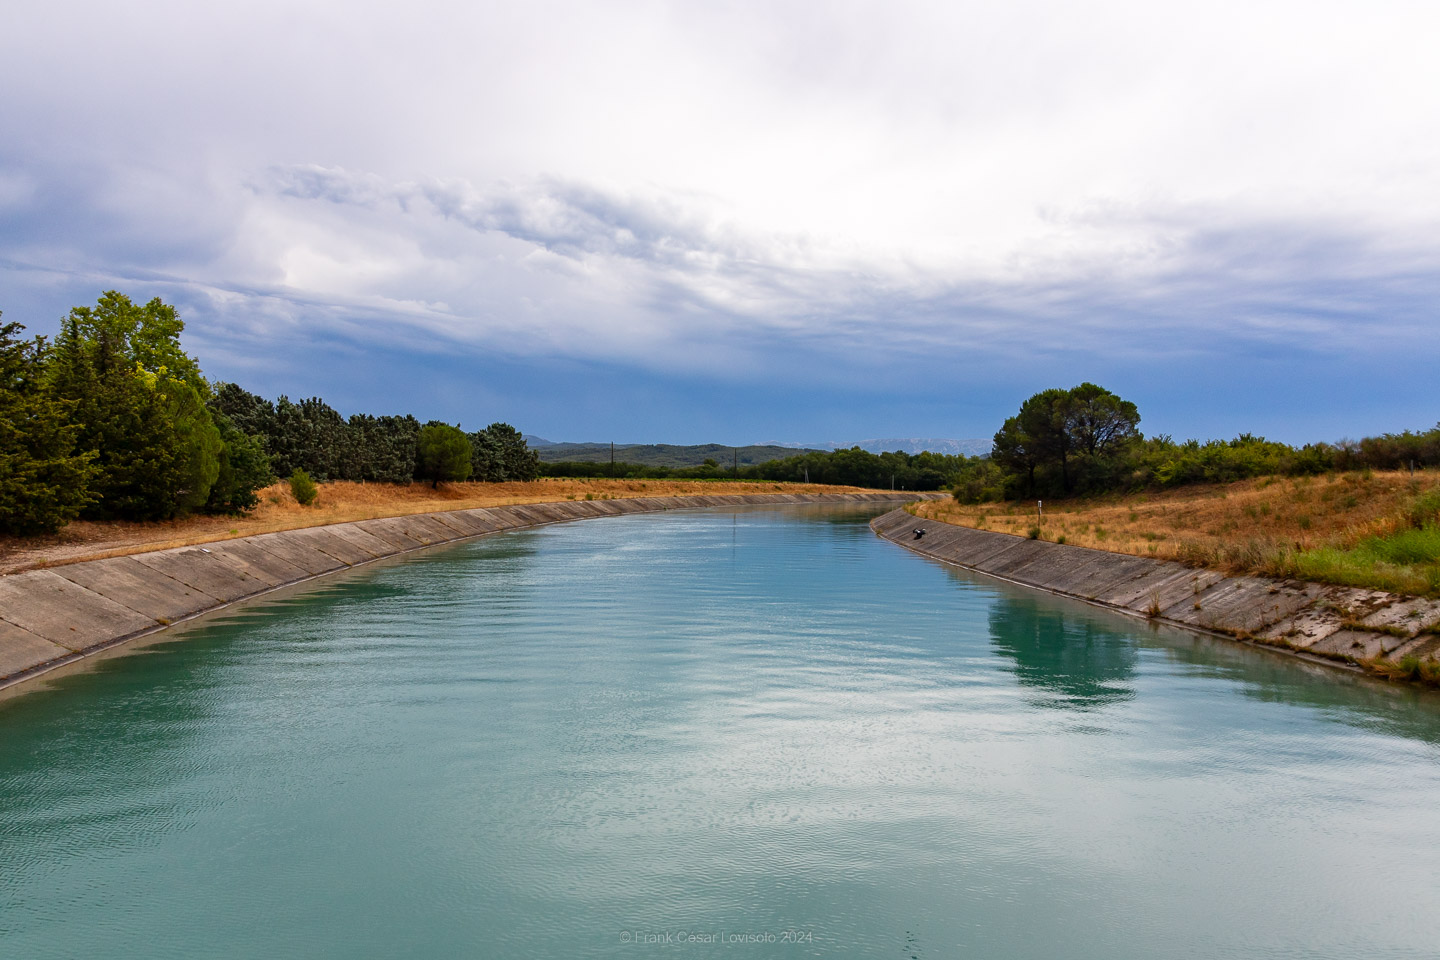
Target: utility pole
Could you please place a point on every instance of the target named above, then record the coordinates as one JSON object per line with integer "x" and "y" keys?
{"x": 736, "y": 451}
{"x": 612, "y": 459}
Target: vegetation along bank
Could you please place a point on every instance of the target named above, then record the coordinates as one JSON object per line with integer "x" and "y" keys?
{"x": 1386, "y": 634}
{"x": 1072, "y": 467}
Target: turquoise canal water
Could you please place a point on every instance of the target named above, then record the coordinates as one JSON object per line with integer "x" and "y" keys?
{"x": 753, "y": 733}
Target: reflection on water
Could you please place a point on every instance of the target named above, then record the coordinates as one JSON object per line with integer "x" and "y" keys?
{"x": 732, "y": 723}
{"x": 1075, "y": 661}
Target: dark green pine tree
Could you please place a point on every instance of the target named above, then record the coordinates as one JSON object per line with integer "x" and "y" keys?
{"x": 442, "y": 454}
{"x": 246, "y": 411}
{"x": 244, "y": 468}
{"x": 44, "y": 482}
{"x": 499, "y": 454}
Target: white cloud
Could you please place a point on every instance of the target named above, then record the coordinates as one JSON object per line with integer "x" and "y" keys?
{"x": 678, "y": 183}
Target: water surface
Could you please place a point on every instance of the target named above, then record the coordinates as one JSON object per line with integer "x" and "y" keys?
{"x": 759, "y": 732}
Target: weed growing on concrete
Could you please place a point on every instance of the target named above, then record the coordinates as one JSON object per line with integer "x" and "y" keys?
{"x": 1425, "y": 670}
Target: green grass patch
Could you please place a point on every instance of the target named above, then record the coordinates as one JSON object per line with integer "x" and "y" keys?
{"x": 1406, "y": 562}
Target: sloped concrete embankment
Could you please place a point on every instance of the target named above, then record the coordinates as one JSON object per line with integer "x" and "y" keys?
{"x": 1337, "y": 623}
{"x": 49, "y": 618}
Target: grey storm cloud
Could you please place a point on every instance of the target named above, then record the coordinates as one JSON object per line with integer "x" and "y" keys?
{"x": 569, "y": 219}
{"x": 783, "y": 187}
{"x": 1330, "y": 281}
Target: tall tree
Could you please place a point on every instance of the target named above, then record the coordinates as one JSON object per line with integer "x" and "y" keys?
{"x": 500, "y": 454}
{"x": 1098, "y": 421}
{"x": 1056, "y": 427}
{"x": 442, "y": 454}
{"x": 243, "y": 469}
{"x": 147, "y": 335}
{"x": 139, "y": 404}
{"x": 44, "y": 481}
{"x": 1016, "y": 451}
{"x": 384, "y": 447}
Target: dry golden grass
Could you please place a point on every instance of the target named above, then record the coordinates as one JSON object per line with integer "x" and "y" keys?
{"x": 1214, "y": 525}
{"x": 341, "y": 502}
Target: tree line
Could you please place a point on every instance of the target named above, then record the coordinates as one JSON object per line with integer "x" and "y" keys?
{"x": 1086, "y": 440}
{"x": 851, "y": 467}
{"x": 314, "y": 437}
{"x": 114, "y": 421}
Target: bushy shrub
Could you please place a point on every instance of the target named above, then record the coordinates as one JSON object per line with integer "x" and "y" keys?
{"x": 980, "y": 480}
{"x": 303, "y": 488}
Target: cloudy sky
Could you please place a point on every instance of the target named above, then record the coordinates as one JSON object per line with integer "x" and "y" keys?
{"x": 688, "y": 222}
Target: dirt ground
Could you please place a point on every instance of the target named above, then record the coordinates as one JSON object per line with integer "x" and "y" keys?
{"x": 342, "y": 502}
{"x": 1195, "y": 523}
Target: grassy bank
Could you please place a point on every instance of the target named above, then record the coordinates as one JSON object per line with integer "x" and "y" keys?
{"x": 341, "y": 502}
{"x": 1365, "y": 529}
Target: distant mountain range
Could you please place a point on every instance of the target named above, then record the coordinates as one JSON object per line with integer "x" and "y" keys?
{"x": 970, "y": 448}
{"x": 678, "y": 455}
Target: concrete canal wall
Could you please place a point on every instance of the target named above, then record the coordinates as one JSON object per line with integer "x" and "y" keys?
{"x": 49, "y": 618}
{"x": 1336, "y": 623}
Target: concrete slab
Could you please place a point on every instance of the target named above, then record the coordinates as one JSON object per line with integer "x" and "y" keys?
{"x": 481, "y": 520}
{"x": 895, "y": 520}
{"x": 1355, "y": 643}
{"x": 1357, "y": 603}
{"x": 971, "y": 547}
{"x": 197, "y": 567}
{"x": 1304, "y": 628}
{"x": 1195, "y": 610}
{"x": 582, "y": 509}
{"x": 21, "y": 650}
{"x": 1410, "y": 614}
{"x": 532, "y": 515}
{"x": 390, "y": 533}
{"x": 141, "y": 588}
{"x": 1169, "y": 584}
{"x": 1243, "y": 604}
{"x": 507, "y": 517}
{"x": 256, "y": 562}
{"x": 1423, "y": 646}
{"x": 1057, "y": 566}
{"x": 550, "y": 512}
{"x": 297, "y": 547}
{"x": 461, "y": 523}
{"x": 1015, "y": 560}
{"x": 426, "y": 529}
{"x": 65, "y": 613}
{"x": 1117, "y": 577}
{"x": 356, "y": 538}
